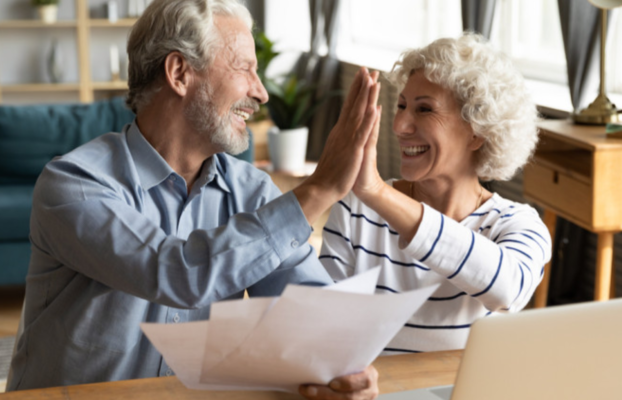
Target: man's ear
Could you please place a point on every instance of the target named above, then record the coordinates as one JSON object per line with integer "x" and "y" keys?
{"x": 178, "y": 73}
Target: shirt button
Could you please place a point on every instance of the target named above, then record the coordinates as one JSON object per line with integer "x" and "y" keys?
{"x": 295, "y": 243}
{"x": 176, "y": 318}
{"x": 169, "y": 373}
{"x": 173, "y": 178}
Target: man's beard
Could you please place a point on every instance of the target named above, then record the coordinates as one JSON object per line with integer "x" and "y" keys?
{"x": 203, "y": 115}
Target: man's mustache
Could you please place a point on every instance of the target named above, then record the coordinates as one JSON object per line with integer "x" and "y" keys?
{"x": 247, "y": 103}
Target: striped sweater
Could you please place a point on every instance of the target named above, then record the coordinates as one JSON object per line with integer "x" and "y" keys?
{"x": 490, "y": 262}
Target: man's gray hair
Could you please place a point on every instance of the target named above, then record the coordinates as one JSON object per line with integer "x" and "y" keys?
{"x": 186, "y": 26}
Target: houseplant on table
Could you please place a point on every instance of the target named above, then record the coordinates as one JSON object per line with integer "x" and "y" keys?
{"x": 291, "y": 105}
{"x": 47, "y": 10}
{"x": 290, "y": 108}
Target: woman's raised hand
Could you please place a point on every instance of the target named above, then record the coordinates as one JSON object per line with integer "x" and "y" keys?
{"x": 339, "y": 165}
{"x": 369, "y": 183}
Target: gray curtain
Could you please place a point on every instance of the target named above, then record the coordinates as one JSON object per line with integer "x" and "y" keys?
{"x": 322, "y": 71}
{"x": 477, "y": 16}
{"x": 580, "y": 23}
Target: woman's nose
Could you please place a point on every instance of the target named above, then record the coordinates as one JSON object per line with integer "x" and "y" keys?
{"x": 403, "y": 124}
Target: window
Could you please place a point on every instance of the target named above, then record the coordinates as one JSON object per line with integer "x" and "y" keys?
{"x": 532, "y": 37}
{"x": 374, "y": 33}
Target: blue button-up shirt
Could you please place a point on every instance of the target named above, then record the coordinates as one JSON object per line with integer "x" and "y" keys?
{"x": 117, "y": 240}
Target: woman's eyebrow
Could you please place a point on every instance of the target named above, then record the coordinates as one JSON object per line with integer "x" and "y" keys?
{"x": 402, "y": 97}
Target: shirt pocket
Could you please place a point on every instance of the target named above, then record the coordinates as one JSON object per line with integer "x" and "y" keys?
{"x": 109, "y": 321}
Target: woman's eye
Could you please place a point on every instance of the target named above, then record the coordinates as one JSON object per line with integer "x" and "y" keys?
{"x": 424, "y": 109}
{"x": 401, "y": 106}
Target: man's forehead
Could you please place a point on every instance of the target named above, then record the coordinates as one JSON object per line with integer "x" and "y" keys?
{"x": 236, "y": 39}
{"x": 233, "y": 30}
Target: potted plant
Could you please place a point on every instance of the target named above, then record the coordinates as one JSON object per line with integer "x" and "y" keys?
{"x": 47, "y": 10}
{"x": 291, "y": 105}
{"x": 260, "y": 122}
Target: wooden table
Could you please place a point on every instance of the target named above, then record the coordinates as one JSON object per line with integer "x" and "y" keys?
{"x": 397, "y": 373}
{"x": 577, "y": 174}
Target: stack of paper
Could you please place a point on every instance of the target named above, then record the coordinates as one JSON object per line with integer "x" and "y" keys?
{"x": 308, "y": 335}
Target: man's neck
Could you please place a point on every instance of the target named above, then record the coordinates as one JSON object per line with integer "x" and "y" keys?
{"x": 163, "y": 125}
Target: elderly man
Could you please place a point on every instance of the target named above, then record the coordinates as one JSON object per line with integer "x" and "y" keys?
{"x": 155, "y": 223}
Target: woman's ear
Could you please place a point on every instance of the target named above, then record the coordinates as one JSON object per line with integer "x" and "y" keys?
{"x": 476, "y": 142}
{"x": 178, "y": 73}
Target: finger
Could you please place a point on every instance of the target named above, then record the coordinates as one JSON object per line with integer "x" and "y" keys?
{"x": 373, "y": 138}
{"x": 374, "y": 75}
{"x": 355, "y": 88}
{"x": 370, "y": 114}
{"x": 354, "y": 382}
{"x": 358, "y": 111}
{"x": 316, "y": 392}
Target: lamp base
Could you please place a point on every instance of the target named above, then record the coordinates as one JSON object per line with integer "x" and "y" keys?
{"x": 600, "y": 112}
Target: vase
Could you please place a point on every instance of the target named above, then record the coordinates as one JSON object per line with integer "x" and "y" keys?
{"x": 288, "y": 148}
{"x": 48, "y": 13}
{"x": 54, "y": 63}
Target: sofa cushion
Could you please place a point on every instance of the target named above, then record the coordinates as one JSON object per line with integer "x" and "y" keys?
{"x": 15, "y": 206}
{"x": 30, "y": 136}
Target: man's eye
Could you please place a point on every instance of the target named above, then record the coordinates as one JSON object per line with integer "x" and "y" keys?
{"x": 401, "y": 106}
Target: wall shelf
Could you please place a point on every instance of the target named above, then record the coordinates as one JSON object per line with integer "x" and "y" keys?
{"x": 104, "y": 23}
{"x": 41, "y": 87}
{"x": 83, "y": 25}
{"x": 112, "y": 85}
{"x": 32, "y": 24}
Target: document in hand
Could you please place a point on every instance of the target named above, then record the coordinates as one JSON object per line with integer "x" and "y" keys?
{"x": 307, "y": 335}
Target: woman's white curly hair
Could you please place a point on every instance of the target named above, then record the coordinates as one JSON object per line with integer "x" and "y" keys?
{"x": 491, "y": 92}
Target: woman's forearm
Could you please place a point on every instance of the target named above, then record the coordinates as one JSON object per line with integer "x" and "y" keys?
{"x": 401, "y": 211}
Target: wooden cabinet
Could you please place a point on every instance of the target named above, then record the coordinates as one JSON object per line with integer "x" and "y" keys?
{"x": 85, "y": 87}
{"x": 576, "y": 173}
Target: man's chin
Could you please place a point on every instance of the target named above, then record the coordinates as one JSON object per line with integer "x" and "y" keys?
{"x": 238, "y": 144}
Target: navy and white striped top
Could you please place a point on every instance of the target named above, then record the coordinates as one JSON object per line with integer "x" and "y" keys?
{"x": 490, "y": 262}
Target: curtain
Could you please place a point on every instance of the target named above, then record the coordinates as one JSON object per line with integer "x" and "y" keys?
{"x": 322, "y": 71}
{"x": 580, "y": 23}
{"x": 477, "y": 16}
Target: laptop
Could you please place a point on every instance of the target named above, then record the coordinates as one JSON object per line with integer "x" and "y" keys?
{"x": 563, "y": 352}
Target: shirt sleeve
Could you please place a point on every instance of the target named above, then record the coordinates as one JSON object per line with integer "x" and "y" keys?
{"x": 85, "y": 225}
{"x": 502, "y": 273}
{"x": 337, "y": 255}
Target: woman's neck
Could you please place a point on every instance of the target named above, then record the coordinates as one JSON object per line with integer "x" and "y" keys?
{"x": 454, "y": 199}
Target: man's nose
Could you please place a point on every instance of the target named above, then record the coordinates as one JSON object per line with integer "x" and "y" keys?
{"x": 258, "y": 91}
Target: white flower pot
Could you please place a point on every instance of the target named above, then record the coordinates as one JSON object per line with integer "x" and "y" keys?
{"x": 288, "y": 148}
{"x": 48, "y": 14}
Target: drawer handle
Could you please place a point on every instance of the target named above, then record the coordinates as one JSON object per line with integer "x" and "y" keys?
{"x": 555, "y": 177}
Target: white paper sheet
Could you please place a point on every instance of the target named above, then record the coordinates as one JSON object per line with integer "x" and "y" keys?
{"x": 308, "y": 335}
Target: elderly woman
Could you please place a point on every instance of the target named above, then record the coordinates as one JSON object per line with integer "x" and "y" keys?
{"x": 463, "y": 116}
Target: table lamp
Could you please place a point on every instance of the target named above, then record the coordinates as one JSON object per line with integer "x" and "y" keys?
{"x": 601, "y": 111}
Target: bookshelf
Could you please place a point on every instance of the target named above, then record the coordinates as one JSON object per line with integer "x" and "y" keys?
{"x": 82, "y": 25}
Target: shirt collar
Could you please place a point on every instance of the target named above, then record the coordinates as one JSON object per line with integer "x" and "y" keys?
{"x": 217, "y": 171}
{"x": 152, "y": 169}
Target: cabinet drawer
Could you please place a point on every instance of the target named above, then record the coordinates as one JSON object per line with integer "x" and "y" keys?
{"x": 560, "y": 192}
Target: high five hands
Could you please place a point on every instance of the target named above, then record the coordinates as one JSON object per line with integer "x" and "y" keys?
{"x": 352, "y": 140}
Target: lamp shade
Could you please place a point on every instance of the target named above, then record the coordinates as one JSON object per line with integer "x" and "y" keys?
{"x": 606, "y": 4}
